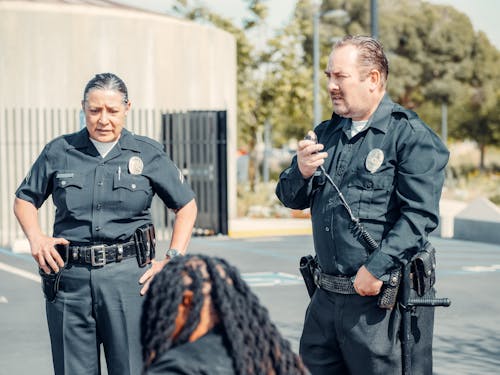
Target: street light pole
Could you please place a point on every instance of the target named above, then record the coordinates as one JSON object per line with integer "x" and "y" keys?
{"x": 317, "y": 104}
{"x": 374, "y": 18}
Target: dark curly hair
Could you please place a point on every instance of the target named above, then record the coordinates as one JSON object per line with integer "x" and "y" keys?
{"x": 253, "y": 341}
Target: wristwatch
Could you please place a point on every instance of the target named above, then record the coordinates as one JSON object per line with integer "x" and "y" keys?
{"x": 172, "y": 253}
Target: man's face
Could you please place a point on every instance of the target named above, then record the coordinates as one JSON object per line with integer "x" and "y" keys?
{"x": 105, "y": 114}
{"x": 349, "y": 88}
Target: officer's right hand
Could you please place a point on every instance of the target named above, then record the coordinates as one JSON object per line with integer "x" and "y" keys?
{"x": 45, "y": 254}
{"x": 309, "y": 157}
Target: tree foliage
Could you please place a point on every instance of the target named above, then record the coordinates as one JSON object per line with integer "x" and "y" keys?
{"x": 435, "y": 58}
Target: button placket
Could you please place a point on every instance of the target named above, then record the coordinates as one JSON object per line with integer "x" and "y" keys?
{"x": 98, "y": 197}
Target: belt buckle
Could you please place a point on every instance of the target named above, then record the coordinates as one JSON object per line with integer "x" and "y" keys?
{"x": 98, "y": 255}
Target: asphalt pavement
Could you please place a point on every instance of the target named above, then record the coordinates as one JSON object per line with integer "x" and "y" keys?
{"x": 466, "y": 334}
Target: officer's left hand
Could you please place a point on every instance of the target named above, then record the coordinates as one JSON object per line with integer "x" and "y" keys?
{"x": 147, "y": 277}
{"x": 366, "y": 284}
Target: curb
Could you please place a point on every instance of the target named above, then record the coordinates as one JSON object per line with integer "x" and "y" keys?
{"x": 269, "y": 232}
{"x": 253, "y": 227}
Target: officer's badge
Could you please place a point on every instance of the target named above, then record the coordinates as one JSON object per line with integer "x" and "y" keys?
{"x": 374, "y": 160}
{"x": 135, "y": 165}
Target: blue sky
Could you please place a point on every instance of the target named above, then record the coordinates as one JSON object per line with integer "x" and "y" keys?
{"x": 484, "y": 14}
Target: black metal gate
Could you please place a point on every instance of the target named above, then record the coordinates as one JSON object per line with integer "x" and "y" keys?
{"x": 196, "y": 142}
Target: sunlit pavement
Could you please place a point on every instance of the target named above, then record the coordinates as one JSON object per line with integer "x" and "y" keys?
{"x": 466, "y": 334}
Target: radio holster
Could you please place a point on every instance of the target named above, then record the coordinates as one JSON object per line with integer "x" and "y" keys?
{"x": 50, "y": 283}
{"x": 307, "y": 267}
{"x": 145, "y": 243}
{"x": 423, "y": 270}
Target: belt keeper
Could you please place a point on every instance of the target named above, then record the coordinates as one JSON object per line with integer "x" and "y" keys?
{"x": 119, "y": 253}
{"x": 74, "y": 254}
{"x": 317, "y": 277}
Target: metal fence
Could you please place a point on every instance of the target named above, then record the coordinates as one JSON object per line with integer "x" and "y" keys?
{"x": 194, "y": 140}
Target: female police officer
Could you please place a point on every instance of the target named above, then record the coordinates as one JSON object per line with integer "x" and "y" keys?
{"x": 102, "y": 180}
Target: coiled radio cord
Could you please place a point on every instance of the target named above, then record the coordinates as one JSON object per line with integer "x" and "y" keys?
{"x": 357, "y": 227}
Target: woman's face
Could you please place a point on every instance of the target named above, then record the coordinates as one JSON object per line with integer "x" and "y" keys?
{"x": 105, "y": 114}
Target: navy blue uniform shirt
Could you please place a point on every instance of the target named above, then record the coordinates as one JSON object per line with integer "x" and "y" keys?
{"x": 398, "y": 203}
{"x": 99, "y": 200}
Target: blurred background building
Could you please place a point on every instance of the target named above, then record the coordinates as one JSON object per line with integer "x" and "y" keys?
{"x": 49, "y": 50}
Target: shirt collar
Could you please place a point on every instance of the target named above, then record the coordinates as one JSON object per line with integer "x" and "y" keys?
{"x": 379, "y": 119}
{"x": 126, "y": 141}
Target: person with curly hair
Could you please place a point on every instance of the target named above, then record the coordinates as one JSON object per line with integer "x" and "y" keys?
{"x": 210, "y": 323}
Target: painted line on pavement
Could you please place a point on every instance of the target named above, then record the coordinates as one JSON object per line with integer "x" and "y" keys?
{"x": 254, "y": 279}
{"x": 19, "y": 272}
{"x": 492, "y": 268}
{"x": 24, "y": 256}
{"x": 265, "y": 279}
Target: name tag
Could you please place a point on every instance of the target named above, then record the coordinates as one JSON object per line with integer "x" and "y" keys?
{"x": 65, "y": 175}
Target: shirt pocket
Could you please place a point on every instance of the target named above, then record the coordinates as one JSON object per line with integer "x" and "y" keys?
{"x": 132, "y": 192}
{"x": 69, "y": 194}
{"x": 368, "y": 195}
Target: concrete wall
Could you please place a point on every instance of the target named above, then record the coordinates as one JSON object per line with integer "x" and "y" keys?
{"x": 478, "y": 221}
{"x": 48, "y": 52}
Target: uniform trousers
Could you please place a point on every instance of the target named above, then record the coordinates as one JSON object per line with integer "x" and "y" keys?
{"x": 94, "y": 306}
{"x": 350, "y": 334}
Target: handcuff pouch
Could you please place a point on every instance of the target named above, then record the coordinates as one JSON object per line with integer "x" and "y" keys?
{"x": 423, "y": 270}
{"x": 145, "y": 244}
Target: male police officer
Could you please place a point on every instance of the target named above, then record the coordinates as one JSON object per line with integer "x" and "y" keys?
{"x": 389, "y": 167}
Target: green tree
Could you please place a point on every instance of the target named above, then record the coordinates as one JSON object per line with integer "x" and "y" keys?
{"x": 291, "y": 74}
{"x": 251, "y": 108}
{"x": 288, "y": 82}
{"x": 435, "y": 58}
{"x": 478, "y": 116}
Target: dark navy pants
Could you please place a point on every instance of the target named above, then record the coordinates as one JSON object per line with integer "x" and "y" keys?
{"x": 97, "y": 306}
{"x": 350, "y": 334}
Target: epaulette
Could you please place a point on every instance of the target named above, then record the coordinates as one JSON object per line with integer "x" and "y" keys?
{"x": 149, "y": 141}
{"x": 408, "y": 113}
{"x": 413, "y": 119}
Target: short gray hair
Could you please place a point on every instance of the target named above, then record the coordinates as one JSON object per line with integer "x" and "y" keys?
{"x": 106, "y": 81}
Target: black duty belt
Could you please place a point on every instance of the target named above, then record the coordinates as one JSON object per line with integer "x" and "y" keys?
{"x": 97, "y": 255}
{"x": 332, "y": 283}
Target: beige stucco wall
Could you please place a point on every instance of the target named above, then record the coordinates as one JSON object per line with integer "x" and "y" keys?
{"x": 48, "y": 52}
